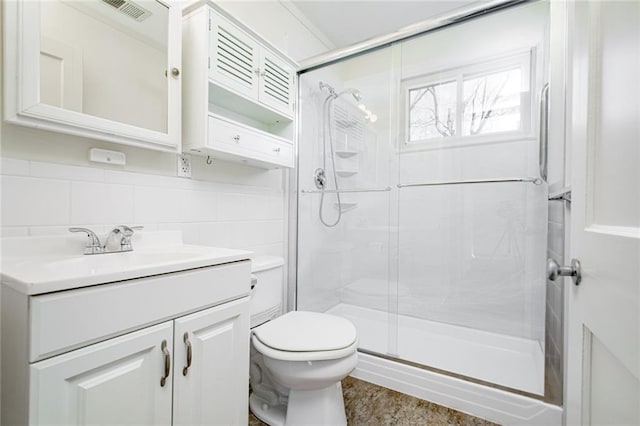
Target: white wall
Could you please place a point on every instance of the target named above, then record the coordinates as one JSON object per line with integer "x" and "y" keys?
{"x": 48, "y": 182}
{"x": 41, "y": 198}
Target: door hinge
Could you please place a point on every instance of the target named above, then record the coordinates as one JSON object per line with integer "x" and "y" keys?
{"x": 209, "y": 24}
{"x": 209, "y": 62}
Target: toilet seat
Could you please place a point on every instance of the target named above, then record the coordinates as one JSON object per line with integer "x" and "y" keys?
{"x": 306, "y": 336}
{"x": 302, "y": 356}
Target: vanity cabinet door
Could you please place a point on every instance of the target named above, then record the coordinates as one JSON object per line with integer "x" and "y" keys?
{"x": 234, "y": 57}
{"x": 213, "y": 388}
{"x": 115, "y": 382}
{"x": 276, "y": 83}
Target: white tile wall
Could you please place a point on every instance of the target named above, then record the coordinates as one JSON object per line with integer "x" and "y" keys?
{"x": 45, "y": 199}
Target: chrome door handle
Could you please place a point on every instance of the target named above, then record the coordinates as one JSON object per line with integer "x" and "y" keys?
{"x": 167, "y": 363}
{"x": 543, "y": 156}
{"x": 189, "y": 354}
{"x": 574, "y": 271}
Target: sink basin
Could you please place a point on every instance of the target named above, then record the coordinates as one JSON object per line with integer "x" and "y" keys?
{"x": 50, "y": 267}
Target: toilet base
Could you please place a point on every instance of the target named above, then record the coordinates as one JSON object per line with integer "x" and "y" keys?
{"x": 305, "y": 407}
{"x": 272, "y": 415}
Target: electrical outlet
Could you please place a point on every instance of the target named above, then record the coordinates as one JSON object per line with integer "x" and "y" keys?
{"x": 184, "y": 165}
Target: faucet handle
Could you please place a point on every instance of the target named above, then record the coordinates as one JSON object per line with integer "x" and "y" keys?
{"x": 127, "y": 232}
{"x": 93, "y": 245}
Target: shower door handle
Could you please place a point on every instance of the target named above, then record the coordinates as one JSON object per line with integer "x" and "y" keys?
{"x": 544, "y": 132}
{"x": 554, "y": 270}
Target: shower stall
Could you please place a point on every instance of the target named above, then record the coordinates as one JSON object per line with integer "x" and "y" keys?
{"x": 422, "y": 200}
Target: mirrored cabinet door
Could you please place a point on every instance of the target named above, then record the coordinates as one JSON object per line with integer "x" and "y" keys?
{"x": 106, "y": 69}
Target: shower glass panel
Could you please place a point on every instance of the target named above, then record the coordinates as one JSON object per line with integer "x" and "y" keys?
{"x": 470, "y": 259}
{"x": 425, "y": 156}
{"x": 344, "y": 227}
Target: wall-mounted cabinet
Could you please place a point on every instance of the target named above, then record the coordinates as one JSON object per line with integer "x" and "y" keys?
{"x": 99, "y": 69}
{"x": 238, "y": 94}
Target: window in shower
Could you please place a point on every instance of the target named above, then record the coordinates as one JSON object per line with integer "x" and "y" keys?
{"x": 476, "y": 102}
{"x": 433, "y": 111}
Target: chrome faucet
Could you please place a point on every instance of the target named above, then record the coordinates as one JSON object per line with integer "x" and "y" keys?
{"x": 94, "y": 246}
{"x": 124, "y": 232}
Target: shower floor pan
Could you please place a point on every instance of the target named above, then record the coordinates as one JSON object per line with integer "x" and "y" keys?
{"x": 504, "y": 360}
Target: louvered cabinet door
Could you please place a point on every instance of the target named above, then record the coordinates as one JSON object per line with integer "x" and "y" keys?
{"x": 234, "y": 57}
{"x": 276, "y": 83}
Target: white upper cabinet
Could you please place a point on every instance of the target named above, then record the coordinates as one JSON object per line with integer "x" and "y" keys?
{"x": 276, "y": 83}
{"x": 238, "y": 92}
{"x": 238, "y": 62}
{"x": 107, "y": 70}
{"x": 234, "y": 58}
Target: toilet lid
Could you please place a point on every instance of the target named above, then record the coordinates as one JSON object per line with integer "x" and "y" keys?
{"x": 302, "y": 331}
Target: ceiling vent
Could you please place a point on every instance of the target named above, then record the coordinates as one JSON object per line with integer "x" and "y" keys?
{"x": 129, "y": 8}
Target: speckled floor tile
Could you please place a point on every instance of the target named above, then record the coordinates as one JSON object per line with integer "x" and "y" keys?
{"x": 367, "y": 404}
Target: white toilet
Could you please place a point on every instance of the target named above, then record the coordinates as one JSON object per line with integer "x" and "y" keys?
{"x": 297, "y": 359}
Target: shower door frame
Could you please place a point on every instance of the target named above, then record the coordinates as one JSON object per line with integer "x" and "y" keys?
{"x": 415, "y": 30}
{"x": 486, "y": 400}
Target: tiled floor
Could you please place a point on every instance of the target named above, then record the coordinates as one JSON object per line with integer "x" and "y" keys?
{"x": 369, "y": 404}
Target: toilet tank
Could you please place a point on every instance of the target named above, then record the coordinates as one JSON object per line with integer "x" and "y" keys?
{"x": 267, "y": 293}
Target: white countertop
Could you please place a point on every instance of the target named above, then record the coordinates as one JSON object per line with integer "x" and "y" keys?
{"x": 36, "y": 265}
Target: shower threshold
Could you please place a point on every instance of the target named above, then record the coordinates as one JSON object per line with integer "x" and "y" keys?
{"x": 507, "y": 361}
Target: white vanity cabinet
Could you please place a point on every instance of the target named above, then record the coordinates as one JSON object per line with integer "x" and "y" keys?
{"x": 158, "y": 350}
{"x": 213, "y": 389}
{"x": 234, "y": 79}
{"x": 113, "y": 382}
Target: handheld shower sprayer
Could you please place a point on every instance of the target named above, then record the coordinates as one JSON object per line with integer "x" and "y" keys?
{"x": 326, "y": 136}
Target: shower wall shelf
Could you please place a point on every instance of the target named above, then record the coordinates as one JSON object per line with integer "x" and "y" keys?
{"x": 345, "y": 207}
{"x": 235, "y": 83}
{"x": 346, "y": 154}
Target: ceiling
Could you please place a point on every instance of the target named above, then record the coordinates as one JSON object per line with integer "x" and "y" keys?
{"x": 343, "y": 23}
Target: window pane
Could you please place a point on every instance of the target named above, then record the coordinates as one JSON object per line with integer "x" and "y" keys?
{"x": 432, "y": 111}
{"x": 492, "y": 103}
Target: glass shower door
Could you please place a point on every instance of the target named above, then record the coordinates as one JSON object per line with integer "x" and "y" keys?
{"x": 472, "y": 209}
{"x": 344, "y": 196}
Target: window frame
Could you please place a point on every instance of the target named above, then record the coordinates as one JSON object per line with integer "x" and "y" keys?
{"x": 523, "y": 59}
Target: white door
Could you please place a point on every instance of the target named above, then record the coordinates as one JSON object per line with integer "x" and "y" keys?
{"x": 234, "y": 57}
{"x": 603, "y": 369}
{"x": 213, "y": 388}
{"x": 116, "y": 382}
{"x": 276, "y": 83}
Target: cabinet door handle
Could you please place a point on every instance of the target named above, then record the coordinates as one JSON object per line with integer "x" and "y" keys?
{"x": 189, "y": 354}
{"x": 276, "y": 149}
{"x": 236, "y": 138}
{"x": 167, "y": 363}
